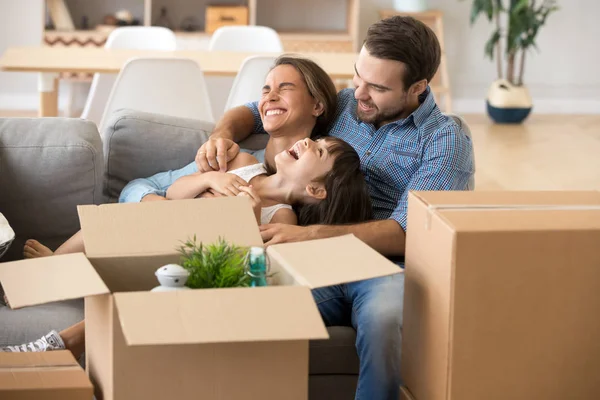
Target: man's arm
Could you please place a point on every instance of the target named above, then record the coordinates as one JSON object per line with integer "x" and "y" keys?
{"x": 447, "y": 165}
{"x": 234, "y": 126}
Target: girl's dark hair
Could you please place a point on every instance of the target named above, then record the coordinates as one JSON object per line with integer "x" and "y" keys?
{"x": 320, "y": 86}
{"x": 348, "y": 199}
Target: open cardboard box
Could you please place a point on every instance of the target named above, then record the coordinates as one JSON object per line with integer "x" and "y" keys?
{"x": 53, "y": 375}
{"x": 249, "y": 343}
{"x": 502, "y": 296}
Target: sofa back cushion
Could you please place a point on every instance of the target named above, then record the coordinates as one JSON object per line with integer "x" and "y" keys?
{"x": 48, "y": 166}
{"x": 139, "y": 145}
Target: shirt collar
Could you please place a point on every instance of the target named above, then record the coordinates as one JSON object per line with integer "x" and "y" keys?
{"x": 427, "y": 104}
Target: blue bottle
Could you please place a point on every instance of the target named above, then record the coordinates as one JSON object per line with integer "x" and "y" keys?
{"x": 257, "y": 267}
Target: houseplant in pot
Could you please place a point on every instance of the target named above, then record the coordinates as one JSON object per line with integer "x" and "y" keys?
{"x": 517, "y": 23}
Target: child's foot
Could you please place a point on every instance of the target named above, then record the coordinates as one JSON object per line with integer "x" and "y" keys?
{"x": 48, "y": 342}
{"x": 34, "y": 249}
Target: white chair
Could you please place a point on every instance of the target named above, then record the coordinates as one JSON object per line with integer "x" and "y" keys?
{"x": 251, "y": 38}
{"x": 130, "y": 37}
{"x": 465, "y": 127}
{"x": 170, "y": 86}
{"x": 250, "y": 79}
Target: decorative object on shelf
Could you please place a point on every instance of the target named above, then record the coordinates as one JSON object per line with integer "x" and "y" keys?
{"x": 216, "y": 265}
{"x": 110, "y": 20}
{"x": 410, "y": 5}
{"x": 171, "y": 277}
{"x": 508, "y": 98}
{"x": 85, "y": 23}
{"x": 124, "y": 17}
{"x": 190, "y": 24}
{"x": 163, "y": 19}
{"x": 218, "y": 16}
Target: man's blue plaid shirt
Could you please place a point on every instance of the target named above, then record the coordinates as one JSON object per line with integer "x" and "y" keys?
{"x": 425, "y": 151}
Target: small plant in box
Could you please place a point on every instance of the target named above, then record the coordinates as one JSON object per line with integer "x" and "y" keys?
{"x": 217, "y": 265}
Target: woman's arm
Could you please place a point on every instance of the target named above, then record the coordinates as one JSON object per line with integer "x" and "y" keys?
{"x": 188, "y": 187}
{"x": 191, "y": 186}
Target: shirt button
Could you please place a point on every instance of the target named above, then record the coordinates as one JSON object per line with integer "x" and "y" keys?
{"x": 368, "y": 153}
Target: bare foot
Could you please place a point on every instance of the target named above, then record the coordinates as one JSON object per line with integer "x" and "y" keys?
{"x": 34, "y": 249}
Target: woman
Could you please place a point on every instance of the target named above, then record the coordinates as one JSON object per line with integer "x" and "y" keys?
{"x": 321, "y": 179}
{"x": 298, "y": 101}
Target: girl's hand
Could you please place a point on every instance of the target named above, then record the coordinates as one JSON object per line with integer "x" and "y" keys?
{"x": 224, "y": 183}
{"x": 248, "y": 191}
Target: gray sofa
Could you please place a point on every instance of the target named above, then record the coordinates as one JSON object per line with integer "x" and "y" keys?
{"x": 50, "y": 165}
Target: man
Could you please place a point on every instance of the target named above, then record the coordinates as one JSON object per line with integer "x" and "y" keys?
{"x": 405, "y": 143}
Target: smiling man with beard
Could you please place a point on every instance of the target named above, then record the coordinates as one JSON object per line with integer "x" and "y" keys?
{"x": 405, "y": 143}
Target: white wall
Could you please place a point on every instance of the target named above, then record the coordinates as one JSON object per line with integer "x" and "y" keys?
{"x": 21, "y": 24}
{"x": 562, "y": 77}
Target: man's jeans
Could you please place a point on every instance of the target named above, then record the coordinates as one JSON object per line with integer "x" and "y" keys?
{"x": 374, "y": 308}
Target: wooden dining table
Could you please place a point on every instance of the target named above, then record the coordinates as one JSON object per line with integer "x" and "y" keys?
{"x": 49, "y": 62}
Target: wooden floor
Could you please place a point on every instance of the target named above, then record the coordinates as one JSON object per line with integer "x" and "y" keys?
{"x": 545, "y": 153}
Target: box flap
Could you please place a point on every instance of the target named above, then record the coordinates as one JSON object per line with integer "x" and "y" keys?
{"x": 160, "y": 227}
{"x": 470, "y": 211}
{"x": 491, "y": 198}
{"x": 32, "y": 374}
{"x": 59, "y": 358}
{"x": 219, "y": 315}
{"x": 326, "y": 262}
{"x": 49, "y": 279}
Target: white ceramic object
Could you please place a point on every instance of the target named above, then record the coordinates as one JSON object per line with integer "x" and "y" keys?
{"x": 171, "y": 277}
{"x": 410, "y": 5}
{"x": 503, "y": 94}
{"x": 7, "y": 235}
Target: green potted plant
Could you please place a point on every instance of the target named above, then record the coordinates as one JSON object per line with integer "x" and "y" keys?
{"x": 508, "y": 98}
{"x": 215, "y": 265}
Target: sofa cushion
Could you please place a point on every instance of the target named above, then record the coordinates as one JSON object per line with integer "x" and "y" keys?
{"x": 48, "y": 166}
{"x": 139, "y": 144}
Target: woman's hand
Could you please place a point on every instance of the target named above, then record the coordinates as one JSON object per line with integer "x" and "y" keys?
{"x": 248, "y": 191}
{"x": 215, "y": 154}
{"x": 224, "y": 183}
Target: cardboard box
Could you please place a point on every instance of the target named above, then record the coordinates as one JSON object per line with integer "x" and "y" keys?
{"x": 53, "y": 375}
{"x": 502, "y": 296}
{"x": 249, "y": 343}
{"x": 219, "y": 16}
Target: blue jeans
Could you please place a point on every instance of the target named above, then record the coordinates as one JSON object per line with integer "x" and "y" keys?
{"x": 374, "y": 309}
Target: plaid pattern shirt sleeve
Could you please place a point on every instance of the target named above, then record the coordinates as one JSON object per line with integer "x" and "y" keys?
{"x": 446, "y": 166}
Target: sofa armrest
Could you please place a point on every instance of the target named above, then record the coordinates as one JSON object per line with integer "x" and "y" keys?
{"x": 48, "y": 166}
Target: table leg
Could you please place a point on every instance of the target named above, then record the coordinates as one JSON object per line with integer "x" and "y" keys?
{"x": 48, "y": 88}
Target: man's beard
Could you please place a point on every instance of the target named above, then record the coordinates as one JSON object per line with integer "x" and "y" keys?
{"x": 378, "y": 117}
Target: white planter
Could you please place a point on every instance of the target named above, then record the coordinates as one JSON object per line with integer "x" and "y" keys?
{"x": 410, "y": 5}
{"x": 507, "y": 103}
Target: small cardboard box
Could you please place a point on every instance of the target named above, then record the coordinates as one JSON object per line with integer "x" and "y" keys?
{"x": 53, "y": 375}
{"x": 502, "y": 296}
{"x": 249, "y": 343}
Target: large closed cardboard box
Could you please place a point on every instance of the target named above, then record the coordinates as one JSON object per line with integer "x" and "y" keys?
{"x": 239, "y": 343}
{"x": 502, "y": 296}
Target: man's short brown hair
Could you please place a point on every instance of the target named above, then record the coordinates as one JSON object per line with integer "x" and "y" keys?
{"x": 409, "y": 41}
